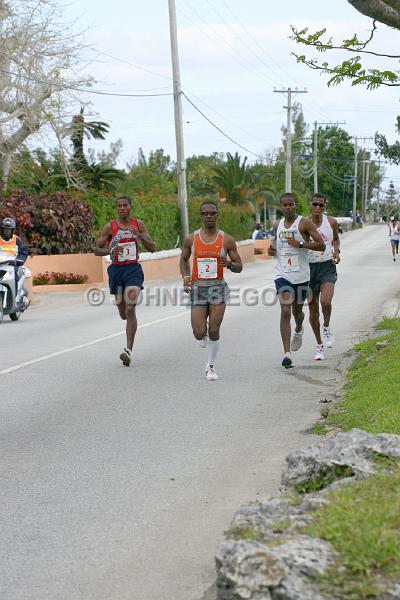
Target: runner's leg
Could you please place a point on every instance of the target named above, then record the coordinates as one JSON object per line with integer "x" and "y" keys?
{"x": 327, "y": 291}
{"x": 120, "y": 304}
{"x": 131, "y": 296}
{"x": 198, "y": 316}
{"x": 215, "y": 318}
{"x": 285, "y": 299}
{"x": 313, "y": 305}
{"x": 298, "y": 314}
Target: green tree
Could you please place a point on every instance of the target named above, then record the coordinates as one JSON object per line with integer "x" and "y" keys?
{"x": 229, "y": 180}
{"x": 155, "y": 174}
{"x": 386, "y": 12}
{"x": 390, "y": 206}
{"x": 199, "y": 171}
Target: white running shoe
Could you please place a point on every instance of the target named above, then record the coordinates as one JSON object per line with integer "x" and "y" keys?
{"x": 319, "y": 355}
{"x": 211, "y": 374}
{"x": 328, "y": 338}
{"x": 126, "y": 356}
{"x": 203, "y": 343}
{"x": 297, "y": 340}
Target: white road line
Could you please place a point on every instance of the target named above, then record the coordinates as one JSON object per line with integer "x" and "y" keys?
{"x": 85, "y": 345}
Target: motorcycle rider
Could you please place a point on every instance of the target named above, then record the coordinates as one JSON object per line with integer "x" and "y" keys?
{"x": 12, "y": 244}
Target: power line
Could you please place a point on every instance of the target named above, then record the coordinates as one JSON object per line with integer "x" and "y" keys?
{"x": 220, "y": 130}
{"x": 219, "y": 39}
{"x": 127, "y": 62}
{"x": 289, "y": 77}
{"x": 262, "y": 61}
{"x": 79, "y": 89}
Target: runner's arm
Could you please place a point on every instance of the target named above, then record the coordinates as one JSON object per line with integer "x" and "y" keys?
{"x": 336, "y": 241}
{"x": 145, "y": 237}
{"x": 184, "y": 262}
{"x": 308, "y": 229}
{"x": 101, "y": 247}
{"x": 234, "y": 263}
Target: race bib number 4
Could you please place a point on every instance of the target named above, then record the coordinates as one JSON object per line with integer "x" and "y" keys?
{"x": 207, "y": 268}
{"x": 291, "y": 263}
{"x": 129, "y": 252}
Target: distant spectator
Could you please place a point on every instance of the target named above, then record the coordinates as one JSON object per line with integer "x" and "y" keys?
{"x": 255, "y": 232}
{"x": 261, "y": 234}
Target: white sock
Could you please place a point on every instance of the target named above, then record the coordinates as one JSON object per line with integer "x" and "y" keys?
{"x": 213, "y": 348}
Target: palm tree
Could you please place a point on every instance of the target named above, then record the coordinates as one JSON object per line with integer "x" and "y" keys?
{"x": 260, "y": 195}
{"x": 230, "y": 179}
{"x": 79, "y": 129}
{"x": 101, "y": 177}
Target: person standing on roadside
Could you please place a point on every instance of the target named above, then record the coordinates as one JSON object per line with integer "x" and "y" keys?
{"x": 323, "y": 274}
{"x": 212, "y": 251}
{"x": 290, "y": 247}
{"x": 120, "y": 239}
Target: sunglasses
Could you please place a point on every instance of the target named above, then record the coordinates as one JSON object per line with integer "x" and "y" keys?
{"x": 319, "y": 204}
{"x": 208, "y": 213}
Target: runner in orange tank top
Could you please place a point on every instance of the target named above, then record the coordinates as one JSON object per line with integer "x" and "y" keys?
{"x": 212, "y": 251}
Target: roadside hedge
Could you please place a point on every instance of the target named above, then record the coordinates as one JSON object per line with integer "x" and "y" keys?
{"x": 50, "y": 224}
{"x": 161, "y": 215}
{"x": 69, "y": 222}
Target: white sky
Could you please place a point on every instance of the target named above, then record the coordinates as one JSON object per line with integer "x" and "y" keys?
{"x": 232, "y": 55}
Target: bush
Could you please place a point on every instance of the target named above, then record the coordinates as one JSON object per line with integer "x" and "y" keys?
{"x": 41, "y": 278}
{"x": 54, "y": 224}
{"x": 68, "y": 223}
{"x": 161, "y": 215}
{"x": 234, "y": 220}
{"x": 58, "y": 278}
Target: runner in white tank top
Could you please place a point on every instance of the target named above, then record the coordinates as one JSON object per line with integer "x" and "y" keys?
{"x": 290, "y": 248}
{"x": 323, "y": 274}
{"x": 394, "y": 234}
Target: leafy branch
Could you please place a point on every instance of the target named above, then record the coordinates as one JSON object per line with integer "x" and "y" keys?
{"x": 348, "y": 69}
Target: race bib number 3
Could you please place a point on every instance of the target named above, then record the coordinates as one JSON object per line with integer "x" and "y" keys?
{"x": 207, "y": 268}
{"x": 291, "y": 263}
{"x": 129, "y": 252}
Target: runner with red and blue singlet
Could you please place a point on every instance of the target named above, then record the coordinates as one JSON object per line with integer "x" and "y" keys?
{"x": 120, "y": 239}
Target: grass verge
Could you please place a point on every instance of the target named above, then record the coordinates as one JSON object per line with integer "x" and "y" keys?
{"x": 362, "y": 520}
{"x": 371, "y": 398}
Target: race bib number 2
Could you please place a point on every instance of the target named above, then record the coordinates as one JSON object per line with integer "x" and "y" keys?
{"x": 291, "y": 263}
{"x": 129, "y": 252}
{"x": 207, "y": 268}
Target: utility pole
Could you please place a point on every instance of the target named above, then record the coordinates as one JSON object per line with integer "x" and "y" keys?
{"x": 356, "y": 173}
{"x": 364, "y": 210}
{"x": 180, "y": 152}
{"x": 355, "y": 181}
{"x": 315, "y": 162}
{"x": 378, "y": 213}
{"x": 288, "y": 167}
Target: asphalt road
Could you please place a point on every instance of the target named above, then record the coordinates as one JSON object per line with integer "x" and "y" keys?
{"x": 116, "y": 483}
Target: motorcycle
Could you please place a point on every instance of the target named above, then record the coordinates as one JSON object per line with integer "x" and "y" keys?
{"x": 13, "y": 295}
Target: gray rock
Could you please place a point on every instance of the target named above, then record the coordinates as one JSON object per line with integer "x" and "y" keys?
{"x": 260, "y": 518}
{"x": 247, "y": 571}
{"x": 304, "y": 555}
{"x": 352, "y": 449}
{"x": 293, "y": 588}
{"x": 393, "y": 594}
